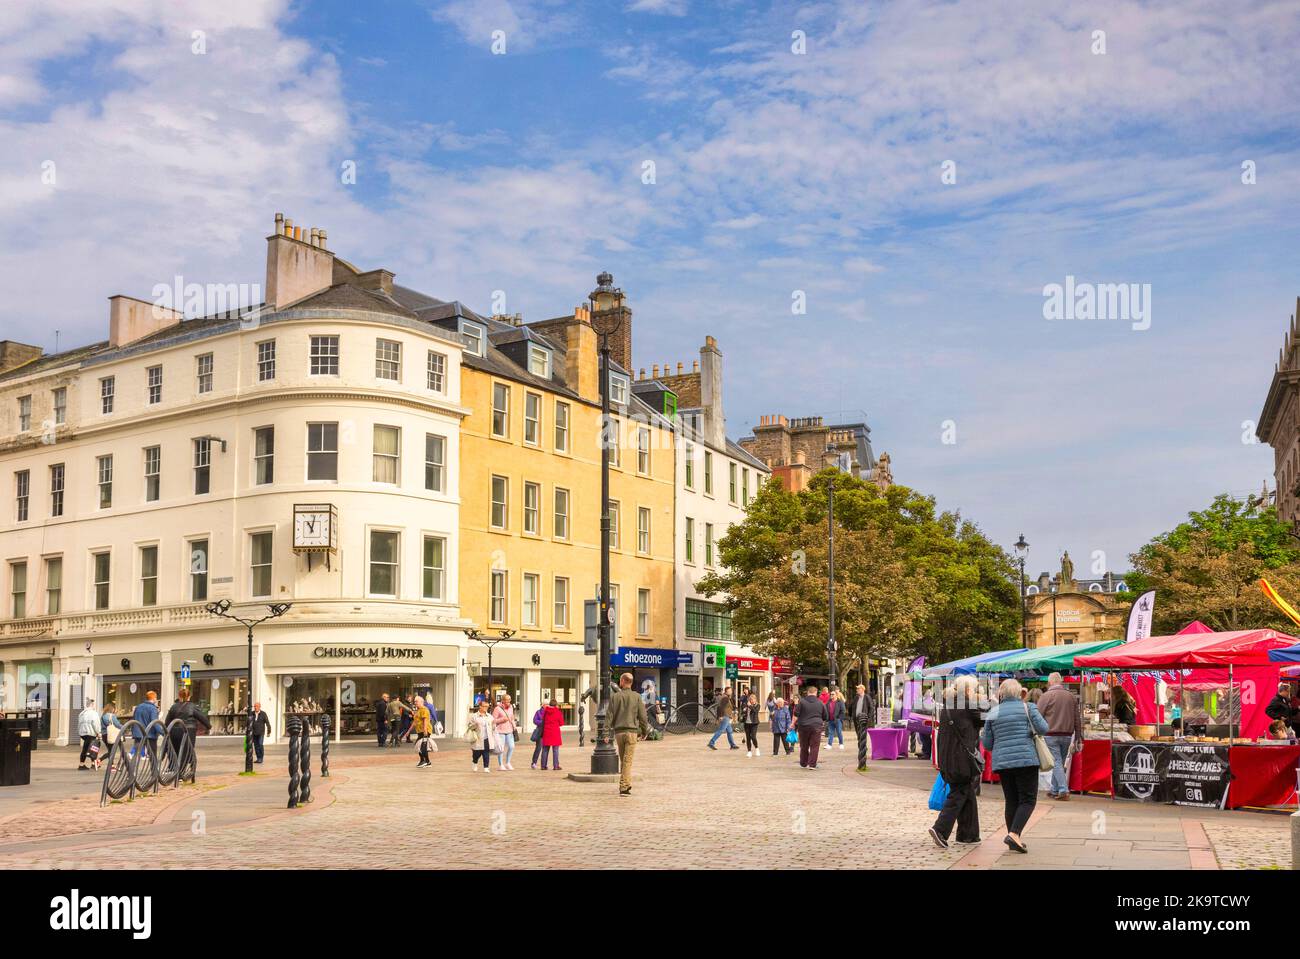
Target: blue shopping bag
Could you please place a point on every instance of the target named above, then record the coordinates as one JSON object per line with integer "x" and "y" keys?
{"x": 792, "y": 736}
{"x": 938, "y": 793}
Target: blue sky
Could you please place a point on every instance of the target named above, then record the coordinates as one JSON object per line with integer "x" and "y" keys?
{"x": 775, "y": 172}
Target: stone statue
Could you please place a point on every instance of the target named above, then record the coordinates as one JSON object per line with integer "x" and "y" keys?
{"x": 883, "y": 474}
{"x": 1067, "y": 571}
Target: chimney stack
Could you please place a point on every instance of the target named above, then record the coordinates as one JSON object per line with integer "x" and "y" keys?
{"x": 714, "y": 424}
{"x": 295, "y": 268}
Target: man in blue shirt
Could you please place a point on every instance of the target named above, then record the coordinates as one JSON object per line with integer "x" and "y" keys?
{"x": 146, "y": 713}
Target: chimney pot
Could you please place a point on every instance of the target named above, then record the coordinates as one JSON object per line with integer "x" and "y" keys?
{"x": 279, "y": 223}
{"x": 656, "y": 374}
{"x": 679, "y": 369}
{"x": 288, "y": 227}
{"x": 695, "y": 367}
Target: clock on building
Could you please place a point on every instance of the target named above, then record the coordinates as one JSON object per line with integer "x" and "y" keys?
{"x": 315, "y": 527}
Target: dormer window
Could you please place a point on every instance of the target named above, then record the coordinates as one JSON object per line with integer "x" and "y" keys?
{"x": 618, "y": 389}
{"x": 474, "y": 335}
{"x": 539, "y": 361}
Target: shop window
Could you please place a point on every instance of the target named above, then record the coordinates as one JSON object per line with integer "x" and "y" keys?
{"x": 562, "y": 690}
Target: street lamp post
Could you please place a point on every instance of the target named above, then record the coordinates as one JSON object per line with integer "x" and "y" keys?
{"x": 1055, "y": 583}
{"x": 222, "y": 608}
{"x": 606, "y": 312}
{"x": 830, "y": 590}
{"x": 475, "y": 635}
{"x": 1022, "y": 551}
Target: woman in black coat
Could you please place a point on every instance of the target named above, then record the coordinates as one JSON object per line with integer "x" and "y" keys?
{"x": 959, "y": 764}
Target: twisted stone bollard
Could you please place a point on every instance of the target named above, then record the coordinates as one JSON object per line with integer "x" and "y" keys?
{"x": 325, "y": 746}
{"x": 294, "y": 727}
{"x": 304, "y": 760}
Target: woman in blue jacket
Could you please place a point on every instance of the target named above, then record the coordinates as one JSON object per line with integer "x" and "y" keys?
{"x": 1008, "y": 735}
{"x": 780, "y": 717}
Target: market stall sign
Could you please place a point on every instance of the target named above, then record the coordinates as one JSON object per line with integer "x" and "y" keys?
{"x": 1182, "y": 774}
{"x": 749, "y": 664}
{"x": 368, "y": 652}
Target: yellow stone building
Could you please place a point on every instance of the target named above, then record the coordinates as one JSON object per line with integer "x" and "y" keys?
{"x": 530, "y": 503}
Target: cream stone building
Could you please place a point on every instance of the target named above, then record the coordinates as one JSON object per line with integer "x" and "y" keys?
{"x": 303, "y": 452}
{"x": 715, "y": 480}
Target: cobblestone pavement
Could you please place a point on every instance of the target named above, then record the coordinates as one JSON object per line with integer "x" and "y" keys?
{"x": 690, "y": 808}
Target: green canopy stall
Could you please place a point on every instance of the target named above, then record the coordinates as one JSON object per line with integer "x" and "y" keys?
{"x": 1044, "y": 659}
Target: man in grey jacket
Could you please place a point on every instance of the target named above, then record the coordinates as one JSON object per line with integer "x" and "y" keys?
{"x": 1060, "y": 708}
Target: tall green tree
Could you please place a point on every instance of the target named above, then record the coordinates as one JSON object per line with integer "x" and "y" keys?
{"x": 908, "y": 579}
{"x": 1209, "y": 567}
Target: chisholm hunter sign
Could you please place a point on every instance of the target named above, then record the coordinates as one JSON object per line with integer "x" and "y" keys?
{"x": 367, "y": 652}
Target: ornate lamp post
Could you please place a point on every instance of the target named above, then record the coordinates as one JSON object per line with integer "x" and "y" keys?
{"x": 222, "y": 608}
{"x": 1022, "y": 552}
{"x": 606, "y": 307}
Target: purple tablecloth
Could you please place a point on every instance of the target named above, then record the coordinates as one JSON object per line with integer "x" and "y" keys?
{"x": 888, "y": 743}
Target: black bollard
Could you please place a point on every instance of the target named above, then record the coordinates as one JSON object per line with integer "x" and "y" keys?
{"x": 325, "y": 746}
{"x": 294, "y": 727}
{"x": 304, "y": 761}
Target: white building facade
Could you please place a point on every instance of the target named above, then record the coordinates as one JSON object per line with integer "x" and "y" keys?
{"x": 306, "y": 453}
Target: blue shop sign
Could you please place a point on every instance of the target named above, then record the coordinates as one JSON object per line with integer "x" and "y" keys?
{"x": 645, "y": 657}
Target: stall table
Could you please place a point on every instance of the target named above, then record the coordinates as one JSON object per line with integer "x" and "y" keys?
{"x": 888, "y": 742}
{"x": 1263, "y": 775}
{"x": 1090, "y": 769}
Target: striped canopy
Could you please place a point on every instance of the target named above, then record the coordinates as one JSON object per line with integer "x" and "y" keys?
{"x": 1045, "y": 659}
{"x": 965, "y": 667}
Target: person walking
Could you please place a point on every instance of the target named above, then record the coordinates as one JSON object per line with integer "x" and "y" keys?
{"x": 863, "y": 712}
{"x": 552, "y": 720}
{"x": 959, "y": 763}
{"x": 810, "y": 716}
{"x": 1008, "y": 735}
{"x": 481, "y": 735}
{"x": 835, "y": 709}
{"x": 503, "y": 721}
{"x": 628, "y": 718}
{"x": 724, "y": 721}
{"x": 88, "y": 728}
{"x": 261, "y": 727}
{"x": 1060, "y": 708}
{"x": 396, "y": 709}
{"x": 381, "y": 719}
{"x": 191, "y": 717}
{"x": 536, "y": 735}
{"x": 749, "y": 717}
{"x": 780, "y": 720}
{"x": 422, "y": 726}
{"x": 144, "y": 714}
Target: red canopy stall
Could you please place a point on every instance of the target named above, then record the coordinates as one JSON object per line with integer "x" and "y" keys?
{"x": 1204, "y": 770}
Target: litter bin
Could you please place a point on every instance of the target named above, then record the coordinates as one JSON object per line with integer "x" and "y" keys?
{"x": 17, "y": 738}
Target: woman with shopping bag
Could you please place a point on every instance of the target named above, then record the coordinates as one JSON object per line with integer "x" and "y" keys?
{"x": 1013, "y": 733}
{"x": 779, "y": 716}
{"x": 481, "y": 736}
{"x": 960, "y": 764}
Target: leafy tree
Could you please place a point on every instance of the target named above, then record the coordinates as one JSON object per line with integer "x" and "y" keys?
{"x": 1209, "y": 567}
{"x": 908, "y": 581}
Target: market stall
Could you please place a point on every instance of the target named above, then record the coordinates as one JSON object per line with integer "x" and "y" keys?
{"x": 966, "y": 667}
{"x": 1239, "y": 769}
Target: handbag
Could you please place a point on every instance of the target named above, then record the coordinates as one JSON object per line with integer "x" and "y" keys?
{"x": 536, "y": 734}
{"x": 473, "y": 736}
{"x": 1045, "y": 761}
{"x": 938, "y": 793}
{"x": 111, "y": 733}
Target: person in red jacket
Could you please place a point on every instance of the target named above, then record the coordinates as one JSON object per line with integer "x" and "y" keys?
{"x": 552, "y": 720}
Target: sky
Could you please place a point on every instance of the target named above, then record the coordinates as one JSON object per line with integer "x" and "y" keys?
{"x": 863, "y": 202}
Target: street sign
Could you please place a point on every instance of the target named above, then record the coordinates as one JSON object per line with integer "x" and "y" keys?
{"x": 185, "y": 672}
{"x": 733, "y": 671}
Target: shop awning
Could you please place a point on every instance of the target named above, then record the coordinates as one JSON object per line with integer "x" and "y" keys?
{"x": 964, "y": 667}
{"x": 1287, "y": 654}
{"x": 1045, "y": 659}
{"x": 1243, "y": 647}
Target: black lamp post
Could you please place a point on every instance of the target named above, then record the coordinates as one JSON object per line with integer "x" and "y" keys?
{"x": 222, "y": 608}
{"x": 606, "y": 309}
{"x": 478, "y": 637}
{"x": 1056, "y": 580}
{"x": 1022, "y": 552}
{"x": 830, "y": 579}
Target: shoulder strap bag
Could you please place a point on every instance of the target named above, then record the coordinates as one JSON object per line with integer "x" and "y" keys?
{"x": 1045, "y": 761}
